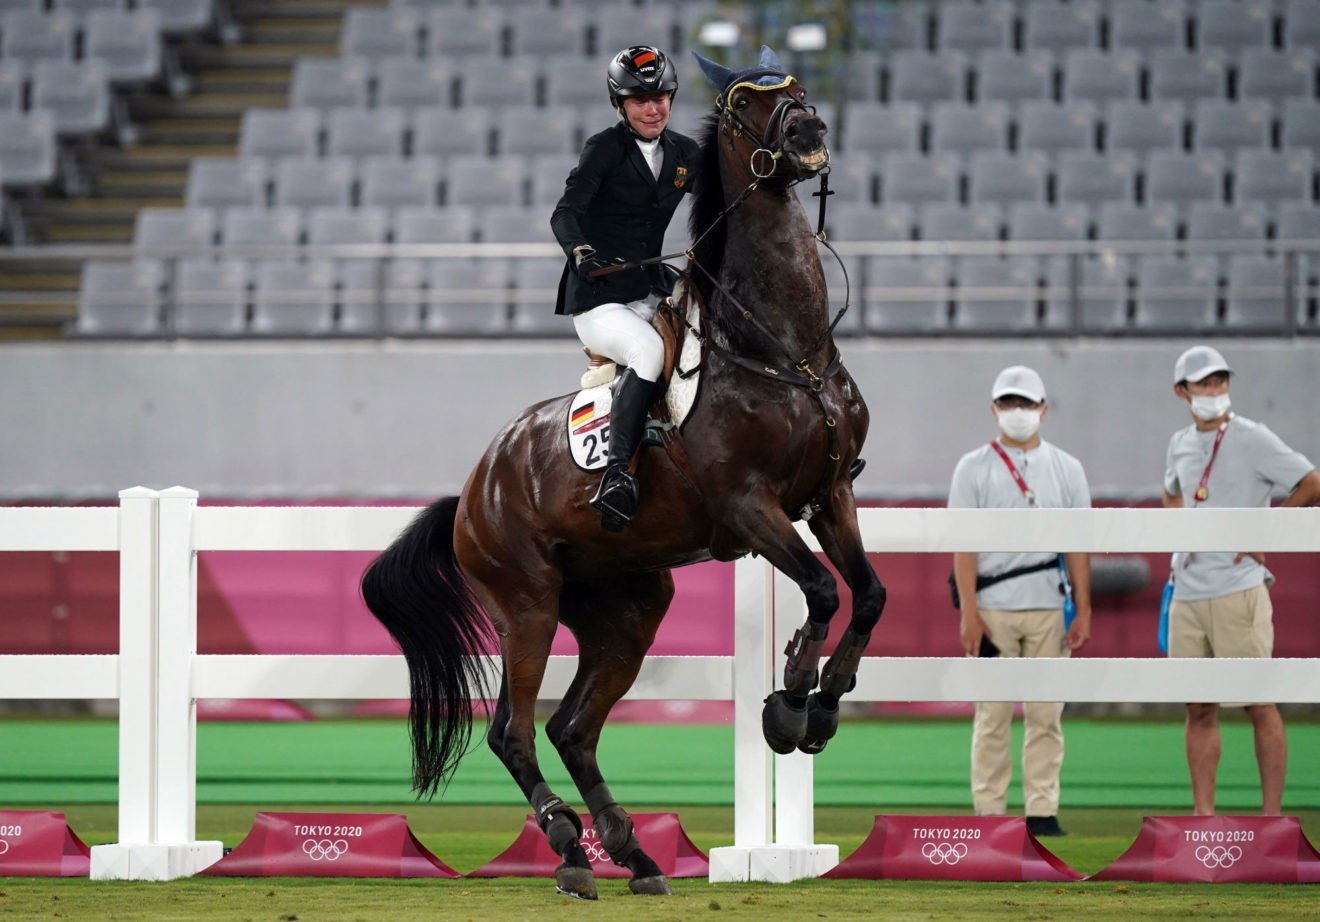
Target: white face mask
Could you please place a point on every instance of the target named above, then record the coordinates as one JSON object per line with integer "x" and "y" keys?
{"x": 1207, "y": 408}
{"x": 1019, "y": 424}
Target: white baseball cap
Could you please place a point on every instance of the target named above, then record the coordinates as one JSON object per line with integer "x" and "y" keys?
{"x": 1019, "y": 380}
{"x": 1198, "y": 363}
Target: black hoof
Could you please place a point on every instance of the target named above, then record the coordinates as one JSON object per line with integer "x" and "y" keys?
{"x": 650, "y": 886}
{"x": 578, "y": 883}
{"x": 783, "y": 724}
{"x": 822, "y": 724}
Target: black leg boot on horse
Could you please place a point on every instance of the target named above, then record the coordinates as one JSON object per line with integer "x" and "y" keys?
{"x": 618, "y": 494}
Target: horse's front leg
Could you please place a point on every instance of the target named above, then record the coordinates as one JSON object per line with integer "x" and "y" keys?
{"x": 836, "y": 529}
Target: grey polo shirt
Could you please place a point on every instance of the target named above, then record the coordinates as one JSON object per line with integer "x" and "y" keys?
{"x": 982, "y": 481}
{"x": 1252, "y": 463}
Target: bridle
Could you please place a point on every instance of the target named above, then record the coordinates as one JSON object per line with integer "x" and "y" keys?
{"x": 772, "y": 137}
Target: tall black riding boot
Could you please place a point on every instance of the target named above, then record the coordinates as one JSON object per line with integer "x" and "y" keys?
{"x": 618, "y": 494}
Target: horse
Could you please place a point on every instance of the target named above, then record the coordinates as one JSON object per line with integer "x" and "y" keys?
{"x": 520, "y": 551}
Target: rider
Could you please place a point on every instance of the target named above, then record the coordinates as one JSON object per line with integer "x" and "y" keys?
{"x": 616, "y": 205}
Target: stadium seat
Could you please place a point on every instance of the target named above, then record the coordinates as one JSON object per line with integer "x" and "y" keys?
{"x": 852, "y": 179}
{"x": 923, "y": 77}
{"x": 29, "y": 36}
{"x": 875, "y": 128}
{"x": 477, "y": 180}
{"x": 1264, "y": 73}
{"x": 616, "y": 27}
{"x": 1010, "y": 77}
{"x": 391, "y": 182}
{"x": 529, "y": 130}
{"x": 1049, "y": 127}
{"x": 12, "y": 80}
{"x": 1038, "y": 221}
{"x": 963, "y": 128}
{"x": 1102, "y": 294}
{"x": 174, "y": 227}
{"x": 412, "y": 85}
{"x": 904, "y": 295}
{"x": 454, "y": 32}
{"x": 1176, "y": 294}
{"x": 1049, "y": 25}
{"x": 421, "y": 224}
{"x": 1181, "y": 178}
{"x": 855, "y": 222}
{"x": 488, "y": 82}
{"x": 1129, "y": 221}
{"x": 1218, "y": 221}
{"x": 261, "y": 227}
{"x": 1301, "y": 24}
{"x": 357, "y": 133}
{"x": 1273, "y": 177}
{"x": 514, "y": 224}
{"x": 120, "y": 298}
{"x": 1297, "y": 221}
{"x": 305, "y": 183}
{"x": 862, "y": 71}
{"x": 1255, "y": 298}
{"x": 575, "y": 81}
{"x": 1143, "y": 26}
{"x": 995, "y": 294}
{"x": 225, "y": 182}
{"x": 210, "y": 298}
{"x": 1140, "y": 128}
{"x": 329, "y": 83}
{"x": 965, "y": 25}
{"x": 1300, "y": 125}
{"x": 445, "y": 132}
{"x": 273, "y": 133}
{"x": 1231, "y": 126}
{"x": 1187, "y": 76}
{"x": 535, "y": 286}
{"x": 1231, "y": 26}
{"x": 28, "y": 149}
{"x": 293, "y": 297}
{"x": 912, "y": 178}
{"x": 548, "y": 175}
{"x": 888, "y": 27}
{"x": 336, "y": 225}
{"x": 128, "y": 43}
{"x": 379, "y": 34}
{"x": 402, "y": 295}
{"x": 469, "y": 297}
{"x": 75, "y": 93}
{"x": 1089, "y": 178}
{"x": 1003, "y": 178}
{"x": 80, "y": 8}
{"x": 949, "y": 221}
{"x": 1100, "y": 76}
{"x": 535, "y": 32}
{"x": 178, "y": 17}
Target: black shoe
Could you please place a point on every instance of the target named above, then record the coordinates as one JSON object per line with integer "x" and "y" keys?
{"x": 617, "y": 498}
{"x": 618, "y": 495}
{"x": 1044, "y": 826}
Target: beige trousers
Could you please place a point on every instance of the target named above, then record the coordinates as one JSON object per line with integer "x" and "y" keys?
{"x": 1019, "y": 633}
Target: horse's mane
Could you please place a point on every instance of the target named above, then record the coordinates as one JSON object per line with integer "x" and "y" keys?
{"x": 708, "y": 202}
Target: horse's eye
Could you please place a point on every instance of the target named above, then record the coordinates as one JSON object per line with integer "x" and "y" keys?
{"x": 740, "y": 102}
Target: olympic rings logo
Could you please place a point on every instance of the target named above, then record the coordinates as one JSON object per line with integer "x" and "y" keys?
{"x": 944, "y": 852}
{"x": 324, "y": 849}
{"x": 1218, "y": 856}
{"x": 596, "y": 853}
{"x": 4, "y": 846}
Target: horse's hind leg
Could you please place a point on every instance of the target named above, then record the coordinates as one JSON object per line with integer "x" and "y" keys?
{"x": 614, "y": 622}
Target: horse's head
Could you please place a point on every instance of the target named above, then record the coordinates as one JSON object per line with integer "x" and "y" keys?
{"x": 763, "y": 109}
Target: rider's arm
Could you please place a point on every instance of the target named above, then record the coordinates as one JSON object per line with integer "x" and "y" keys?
{"x": 581, "y": 187}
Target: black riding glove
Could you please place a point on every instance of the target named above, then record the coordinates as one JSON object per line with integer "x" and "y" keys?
{"x": 586, "y": 261}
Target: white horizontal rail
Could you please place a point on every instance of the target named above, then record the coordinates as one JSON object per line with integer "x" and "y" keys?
{"x": 36, "y": 677}
{"x": 299, "y": 528}
{"x": 49, "y": 528}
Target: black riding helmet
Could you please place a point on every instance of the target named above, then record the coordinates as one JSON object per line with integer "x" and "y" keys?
{"x": 639, "y": 70}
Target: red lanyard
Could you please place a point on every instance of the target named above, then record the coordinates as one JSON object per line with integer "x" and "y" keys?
{"x": 1017, "y": 478}
{"x": 1202, "y": 490}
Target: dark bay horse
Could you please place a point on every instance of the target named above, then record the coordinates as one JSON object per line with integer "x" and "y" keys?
{"x": 777, "y": 423}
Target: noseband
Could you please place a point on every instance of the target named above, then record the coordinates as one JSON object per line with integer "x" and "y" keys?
{"x": 772, "y": 138}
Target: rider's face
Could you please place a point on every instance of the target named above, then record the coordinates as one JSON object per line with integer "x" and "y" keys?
{"x": 648, "y": 114}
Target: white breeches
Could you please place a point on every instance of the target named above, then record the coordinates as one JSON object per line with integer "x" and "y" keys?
{"x": 623, "y": 332}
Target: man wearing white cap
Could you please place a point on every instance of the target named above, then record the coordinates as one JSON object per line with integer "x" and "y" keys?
{"x": 1012, "y": 604}
{"x": 1221, "y": 604}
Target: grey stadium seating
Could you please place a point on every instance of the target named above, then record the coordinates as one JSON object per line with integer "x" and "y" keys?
{"x": 1012, "y": 77}
{"x": 120, "y": 298}
{"x": 1089, "y": 178}
{"x": 274, "y": 133}
{"x": 1049, "y": 25}
{"x": 875, "y": 128}
{"x": 1176, "y": 293}
{"x": 906, "y": 295}
{"x": 210, "y": 298}
{"x": 963, "y": 128}
{"x": 1047, "y": 127}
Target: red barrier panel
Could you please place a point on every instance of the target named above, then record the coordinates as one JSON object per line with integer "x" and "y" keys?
{"x": 39, "y": 843}
{"x": 1218, "y": 849}
{"x": 330, "y": 845}
{"x": 952, "y": 848}
{"x": 660, "y": 834}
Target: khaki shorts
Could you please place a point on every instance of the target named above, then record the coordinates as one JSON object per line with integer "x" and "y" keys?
{"x": 1237, "y": 625}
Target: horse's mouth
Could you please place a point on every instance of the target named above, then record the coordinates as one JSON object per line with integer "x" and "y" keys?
{"x": 814, "y": 160}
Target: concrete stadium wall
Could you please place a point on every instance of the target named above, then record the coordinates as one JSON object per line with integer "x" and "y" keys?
{"x": 408, "y": 419}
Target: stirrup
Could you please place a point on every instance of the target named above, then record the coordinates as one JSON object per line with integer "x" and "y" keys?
{"x": 616, "y": 498}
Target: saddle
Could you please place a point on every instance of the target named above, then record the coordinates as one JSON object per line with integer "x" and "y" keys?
{"x": 669, "y": 323}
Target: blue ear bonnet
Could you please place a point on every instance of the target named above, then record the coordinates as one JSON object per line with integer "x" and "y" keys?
{"x": 769, "y": 71}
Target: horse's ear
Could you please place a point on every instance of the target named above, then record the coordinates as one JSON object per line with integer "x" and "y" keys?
{"x": 716, "y": 74}
{"x": 770, "y": 60}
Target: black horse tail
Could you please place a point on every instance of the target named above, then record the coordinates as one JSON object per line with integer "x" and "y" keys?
{"x": 417, "y": 591}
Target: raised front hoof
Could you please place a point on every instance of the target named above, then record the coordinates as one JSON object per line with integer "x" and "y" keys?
{"x": 650, "y": 886}
{"x": 822, "y": 724}
{"x": 578, "y": 883}
{"x": 783, "y": 724}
